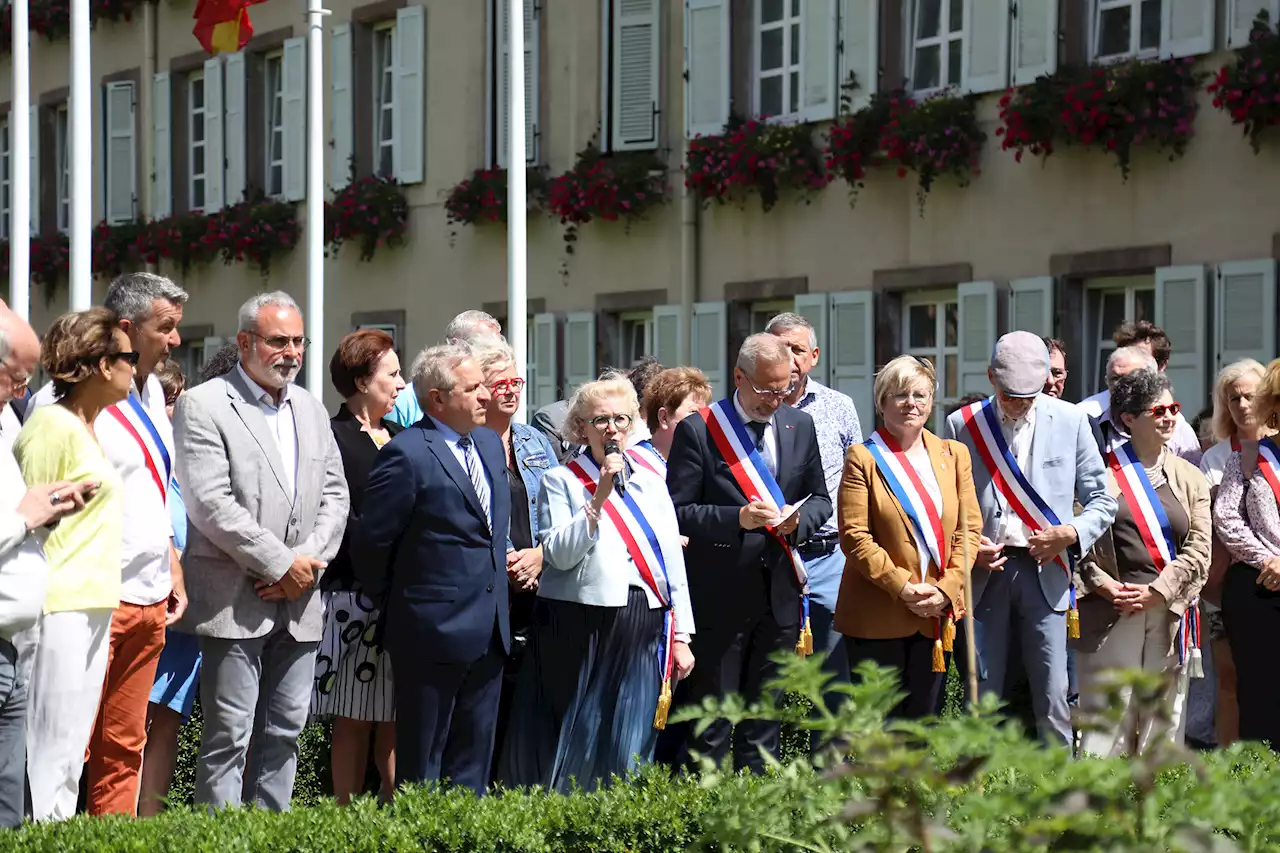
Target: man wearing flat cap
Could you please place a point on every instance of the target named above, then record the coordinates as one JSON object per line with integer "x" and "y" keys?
{"x": 1034, "y": 457}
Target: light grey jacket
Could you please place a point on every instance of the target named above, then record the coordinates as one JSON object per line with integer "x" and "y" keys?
{"x": 245, "y": 526}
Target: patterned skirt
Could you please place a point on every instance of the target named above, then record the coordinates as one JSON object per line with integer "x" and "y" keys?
{"x": 353, "y": 675}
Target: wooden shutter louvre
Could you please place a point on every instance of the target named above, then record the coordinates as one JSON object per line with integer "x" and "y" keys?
{"x": 408, "y": 86}
{"x": 161, "y": 146}
{"x": 977, "y": 334}
{"x": 710, "y": 344}
{"x": 636, "y": 73}
{"x": 859, "y": 51}
{"x": 293, "y": 68}
{"x": 1186, "y": 28}
{"x": 667, "y": 320}
{"x": 1035, "y": 40}
{"x": 214, "y": 158}
{"x": 120, "y": 196}
{"x": 544, "y": 365}
{"x": 815, "y": 307}
{"x": 851, "y": 353}
{"x": 819, "y": 91}
{"x": 341, "y": 106}
{"x": 1180, "y": 312}
{"x": 985, "y": 67}
{"x": 706, "y": 67}
{"x": 1245, "y": 311}
{"x": 1031, "y": 305}
{"x": 235, "y": 124}
{"x": 579, "y": 350}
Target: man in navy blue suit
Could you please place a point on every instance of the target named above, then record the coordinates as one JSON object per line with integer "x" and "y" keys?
{"x": 434, "y": 543}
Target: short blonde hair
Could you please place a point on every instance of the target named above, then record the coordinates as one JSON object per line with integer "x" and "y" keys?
{"x": 591, "y": 393}
{"x": 1267, "y": 401}
{"x": 899, "y": 373}
{"x": 1222, "y": 426}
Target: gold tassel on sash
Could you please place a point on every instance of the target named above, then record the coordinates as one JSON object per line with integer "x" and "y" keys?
{"x": 804, "y": 645}
{"x": 948, "y": 634}
{"x": 664, "y": 706}
{"x": 939, "y": 660}
{"x": 1073, "y": 623}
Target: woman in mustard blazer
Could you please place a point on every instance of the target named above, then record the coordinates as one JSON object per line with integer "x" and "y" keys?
{"x": 902, "y": 497}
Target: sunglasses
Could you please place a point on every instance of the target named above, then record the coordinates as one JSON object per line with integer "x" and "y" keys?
{"x": 1159, "y": 411}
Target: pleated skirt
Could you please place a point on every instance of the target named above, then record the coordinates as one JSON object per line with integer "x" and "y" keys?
{"x": 585, "y": 696}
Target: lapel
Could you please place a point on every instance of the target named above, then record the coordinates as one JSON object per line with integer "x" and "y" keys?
{"x": 784, "y": 439}
{"x": 450, "y": 463}
{"x": 1041, "y": 440}
{"x": 247, "y": 409}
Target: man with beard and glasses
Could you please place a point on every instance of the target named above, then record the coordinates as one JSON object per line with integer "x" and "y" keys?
{"x": 267, "y": 502}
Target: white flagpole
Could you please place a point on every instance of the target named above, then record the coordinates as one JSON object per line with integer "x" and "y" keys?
{"x": 80, "y": 120}
{"x": 19, "y": 168}
{"x": 517, "y": 201}
{"x": 316, "y": 357}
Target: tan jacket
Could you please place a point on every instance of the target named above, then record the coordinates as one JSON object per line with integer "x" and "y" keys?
{"x": 1181, "y": 580}
{"x": 880, "y": 550}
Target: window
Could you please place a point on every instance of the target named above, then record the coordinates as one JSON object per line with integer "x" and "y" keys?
{"x": 62, "y": 175}
{"x": 931, "y": 331}
{"x": 6, "y": 202}
{"x": 500, "y": 79}
{"x": 1109, "y": 303}
{"x": 273, "y": 123}
{"x": 384, "y": 103}
{"x": 635, "y": 337}
{"x": 763, "y": 312}
{"x": 1125, "y": 29}
{"x": 937, "y": 49}
{"x": 630, "y": 75}
{"x": 778, "y": 58}
{"x": 195, "y": 133}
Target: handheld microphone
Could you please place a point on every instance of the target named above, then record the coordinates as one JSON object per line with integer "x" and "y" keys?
{"x": 619, "y": 479}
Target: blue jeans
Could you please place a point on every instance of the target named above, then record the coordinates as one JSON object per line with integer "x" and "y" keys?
{"x": 13, "y": 738}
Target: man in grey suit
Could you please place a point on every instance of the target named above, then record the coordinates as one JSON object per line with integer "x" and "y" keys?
{"x": 1018, "y": 582}
{"x": 267, "y": 500}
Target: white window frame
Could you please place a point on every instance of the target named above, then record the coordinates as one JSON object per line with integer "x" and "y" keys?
{"x": 942, "y": 41}
{"x": 627, "y": 321}
{"x": 273, "y": 106}
{"x": 939, "y": 353}
{"x": 1135, "y": 31}
{"x": 768, "y": 309}
{"x": 62, "y": 166}
{"x": 6, "y": 182}
{"x": 1098, "y": 340}
{"x": 790, "y": 64}
{"x": 195, "y": 118}
{"x": 386, "y": 73}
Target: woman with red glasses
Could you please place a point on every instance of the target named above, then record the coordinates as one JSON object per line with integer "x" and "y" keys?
{"x": 1143, "y": 575}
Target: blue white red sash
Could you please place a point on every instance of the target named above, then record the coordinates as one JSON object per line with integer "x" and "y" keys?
{"x": 644, "y": 454}
{"x": 752, "y": 476}
{"x": 1269, "y": 465}
{"x": 134, "y": 419}
{"x": 916, "y": 500}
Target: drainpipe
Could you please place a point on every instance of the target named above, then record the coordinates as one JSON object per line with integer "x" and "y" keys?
{"x": 688, "y": 258}
{"x": 151, "y": 43}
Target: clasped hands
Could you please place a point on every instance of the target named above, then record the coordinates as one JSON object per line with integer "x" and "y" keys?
{"x": 524, "y": 568}
{"x": 299, "y": 578}
{"x": 924, "y": 600}
{"x": 1131, "y": 598}
{"x": 760, "y": 513}
{"x": 1044, "y": 547}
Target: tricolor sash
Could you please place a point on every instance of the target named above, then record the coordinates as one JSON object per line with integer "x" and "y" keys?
{"x": 644, "y": 454}
{"x": 134, "y": 418}
{"x": 731, "y": 439}
{"x": 637, "y": 533}
{"x": 1269, "y": 464}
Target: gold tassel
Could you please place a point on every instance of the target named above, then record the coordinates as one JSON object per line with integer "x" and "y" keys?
{"x": 948, "y": 634}
{"x": 804, "y": 645}
{"x": 664, "y": 706}
{"x": 939, "y": 661}
{"x": 1073, "y": 624}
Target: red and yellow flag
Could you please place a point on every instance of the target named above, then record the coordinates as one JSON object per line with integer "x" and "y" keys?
{"x": 222, "y": 26}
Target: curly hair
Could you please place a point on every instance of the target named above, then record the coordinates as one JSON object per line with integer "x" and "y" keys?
{"x": 74, "y": 346}
{"x": 1136, "y": 392}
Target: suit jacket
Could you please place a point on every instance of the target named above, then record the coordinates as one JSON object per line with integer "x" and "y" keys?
{"x": 724, "y": 561}
{"x": 245, "y": 526}
{"x": 429, "y": 549}
{"x": 881, "y": 553}
{"x": 1065, "y": 466}
{"x": 358, "y": 454}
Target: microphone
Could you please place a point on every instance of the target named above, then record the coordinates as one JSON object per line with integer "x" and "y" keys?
{"x": 619, "y": 479}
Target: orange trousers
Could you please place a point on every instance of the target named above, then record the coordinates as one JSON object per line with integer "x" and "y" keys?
{"x": 114, "y": 764}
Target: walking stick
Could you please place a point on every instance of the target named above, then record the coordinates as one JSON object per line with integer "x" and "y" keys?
{"x": 970, "y": 646}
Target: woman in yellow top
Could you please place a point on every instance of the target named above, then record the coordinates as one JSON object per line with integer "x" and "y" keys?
{"x": 91, "y": 362}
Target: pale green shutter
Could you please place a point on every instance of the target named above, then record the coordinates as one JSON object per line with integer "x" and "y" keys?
{"x": 579, "y": 350}
{"x": 214, "y": 158}
{"x": 341, "y": 105}
{"x": 1245, "y": 300}
{"x": 710, "y": 340}
{"x": 293, "y": 69}
{"x": 409, "y": 96}
{"x": 985, "y": 67}
{"x": 706, "y": 66}
{"x": 859, "y": 49}
{"x": 161, "y": 146}
{"x": 1186, "y": 28}
{"x": 543, "y": 367}
{"x": 1180, "y": 311}
{"x": 851, "y": 351}
{"x": 666, "y": 334}
{"x": 814, "y": 308}
{"x": 977, "y": 334}
{"x": 1031, "y": 305}
{"x": 1035, "y": 40}
{"x": 820, "y": 33}
{"x": 637, "y": 42}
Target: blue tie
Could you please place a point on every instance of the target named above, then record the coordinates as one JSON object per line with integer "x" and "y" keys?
{"x": 476, "y": 472}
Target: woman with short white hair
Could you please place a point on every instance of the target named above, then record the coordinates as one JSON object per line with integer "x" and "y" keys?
{"x": 613, "y": 621}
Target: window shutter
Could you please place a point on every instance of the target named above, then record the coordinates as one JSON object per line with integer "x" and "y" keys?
{"x": 214, "y": 157}
{"x": 1186, "y": 28}
{"x": 1035, "y": 40}
{"x": 543, "y": 366}
{"x": 814, "y": 308}
{"x": 579, "y": 350}
{"x": 986, "y": 35}
{"x": 636, "y": 64}
{"x": 294, "y": 114}
{"x": 1246, "y": 311}
{"x": 851, "y": 353}
{"x": 1241, "y": 15}
{"x": 710, "y": 344}
{"x": 666, "y": 334}
{"x": 33, "y": 124}
{"x": 706, "y": 67}
{"x": 161, "y": 146}
{"x": 530, "y": 82}
{"x": 234, "y": 121}
{"x": 408, "y": 133}
{"x": 209, "y": 348}
{"x": 341, "y": 106}
{"x": 977, "y": 322}
{"x": 1031, "y": 305}
{"x": 820, "y": 95}
{"x": 121, "y": 152}
{"x": 859, "y": 55}
{"x": 1180, "y": 311}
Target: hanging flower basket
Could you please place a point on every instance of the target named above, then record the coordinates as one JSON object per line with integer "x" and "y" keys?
{"x": 1249, "y": 89}
{"x": 482, "y": 198}
{"x": 370, "y": 211}
{"x": 256, "y": 230}
{"x": 853, "y": 142}
{"x": 755, "y": 157}
{"x": 935, "y": 137}
{"x": 50, "y": 257}
{"x": 183, "y": 239}
{"x": 1114, "y": 108}
{"x": 611, "y": 187}
{"x": 52, "y": 18}
{"x": 114, "y": 247}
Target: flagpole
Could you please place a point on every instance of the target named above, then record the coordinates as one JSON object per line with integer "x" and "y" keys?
{"x": 20, "y": 177}
{"x": 315, "y": 197}
{"x": 80, "y": 121}
{"x": 517, "y": 200}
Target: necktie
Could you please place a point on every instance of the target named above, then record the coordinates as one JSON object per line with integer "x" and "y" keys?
{"x": 476, "y": 472}
{"x": 757, "y": 430}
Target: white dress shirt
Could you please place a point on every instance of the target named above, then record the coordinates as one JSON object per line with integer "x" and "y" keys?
{"x": 281, "y": 425}
{"x": 451, "y": 437}
{"x": 929, "y": 479}
{"x": 1184, "y": 442}
{"x": 1018, "y": 433}
{"x": 768, "y": 447}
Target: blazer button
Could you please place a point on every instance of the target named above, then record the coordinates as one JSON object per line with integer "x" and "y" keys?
{"x": 294, "y": 522}
{"x": 489, "y": 588}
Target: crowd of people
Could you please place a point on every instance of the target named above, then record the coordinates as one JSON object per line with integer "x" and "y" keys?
{"x": 471, "y": 599}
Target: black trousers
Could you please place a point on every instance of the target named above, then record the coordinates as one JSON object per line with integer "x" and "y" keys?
{"x": 913, "y": 658}
{"x": 1251, "y": 614}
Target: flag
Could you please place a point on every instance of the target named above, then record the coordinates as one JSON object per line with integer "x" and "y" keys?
{"x": 222, "y": 26}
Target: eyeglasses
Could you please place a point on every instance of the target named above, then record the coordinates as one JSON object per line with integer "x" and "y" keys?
{"x": 279, "y": 342}
{"x": 18, "y": 381}
{"x": 1159, "y": 411}
{"x": 919, "y": 398}
{"x": 508, "y": 386}
{"x": 620, "y": 422}
{"x": 770, "y": 394}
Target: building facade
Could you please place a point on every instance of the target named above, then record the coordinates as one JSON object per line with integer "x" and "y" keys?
{"x": 416, "y": 91}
